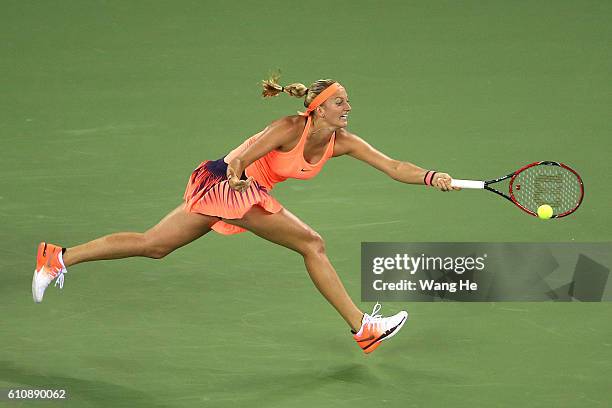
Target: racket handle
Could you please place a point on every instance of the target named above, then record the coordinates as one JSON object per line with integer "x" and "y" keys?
{"x": 467, "y": 183}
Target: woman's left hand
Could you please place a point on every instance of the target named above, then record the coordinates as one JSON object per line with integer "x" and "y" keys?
{"x": 238, "y": 184}
{"x": 442, "y": 181}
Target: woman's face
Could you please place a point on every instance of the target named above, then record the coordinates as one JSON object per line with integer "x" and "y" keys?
{"x": 335, "y": 110}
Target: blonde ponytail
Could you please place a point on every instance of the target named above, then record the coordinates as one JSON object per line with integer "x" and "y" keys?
{"x": 272, "y": 88}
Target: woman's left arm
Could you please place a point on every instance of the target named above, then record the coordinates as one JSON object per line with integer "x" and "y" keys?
{"x": 405, "y": 172}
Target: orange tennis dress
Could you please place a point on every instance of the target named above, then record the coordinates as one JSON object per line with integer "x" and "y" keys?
{"x": 208, "y": 191}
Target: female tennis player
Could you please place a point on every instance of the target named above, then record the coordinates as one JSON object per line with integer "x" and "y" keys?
{"x": 232, "y": 194}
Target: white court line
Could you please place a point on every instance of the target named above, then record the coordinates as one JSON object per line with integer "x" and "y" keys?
{"x": 546, "y": 329}
{"x": 66, "y": 317}
{"x": 367, "y": 224}
{"x": 513, "y": 310}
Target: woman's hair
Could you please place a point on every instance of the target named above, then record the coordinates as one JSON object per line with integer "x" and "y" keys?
{"x": 271, "y": 88}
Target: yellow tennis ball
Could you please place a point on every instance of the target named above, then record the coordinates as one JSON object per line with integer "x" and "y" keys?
{"x": 545, "y": 211}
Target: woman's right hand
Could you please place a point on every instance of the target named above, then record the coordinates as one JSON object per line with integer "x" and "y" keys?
{"x": 238, "y": 184}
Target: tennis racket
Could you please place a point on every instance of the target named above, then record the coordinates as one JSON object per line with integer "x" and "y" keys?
{"x": 544, "y": 182}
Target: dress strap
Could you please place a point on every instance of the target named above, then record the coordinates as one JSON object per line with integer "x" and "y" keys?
{"x": 329, "y": 152}
{"x": 302, "y": 140}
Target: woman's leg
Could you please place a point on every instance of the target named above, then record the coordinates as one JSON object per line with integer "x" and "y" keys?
{"x": 286, "y": 229}
{"x": 178, "y": 228}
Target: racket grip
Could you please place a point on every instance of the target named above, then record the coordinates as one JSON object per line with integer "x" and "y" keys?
{"x": 467, "y": 183}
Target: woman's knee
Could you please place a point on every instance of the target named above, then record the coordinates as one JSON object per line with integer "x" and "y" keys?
{"x": 156, "y": 252}
{"x": 313, "y": 244}
{"x": 152, "y": 248}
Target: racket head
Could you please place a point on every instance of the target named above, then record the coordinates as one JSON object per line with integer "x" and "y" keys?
{"x": 547, "y": 182}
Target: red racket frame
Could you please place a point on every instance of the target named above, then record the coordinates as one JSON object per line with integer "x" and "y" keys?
{"x": 542, "y": 163}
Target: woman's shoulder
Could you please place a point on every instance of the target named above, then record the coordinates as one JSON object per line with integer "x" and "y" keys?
{"x": 290, "y": 122}
{"x": 343, "y": 135}
{"x": 344, "y": 141}
{"x": 287, "y": 128}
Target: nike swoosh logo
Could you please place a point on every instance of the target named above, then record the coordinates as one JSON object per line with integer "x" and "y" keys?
{"x": 366, "y": 339}
{"x": 385, "y": 334}
{"x": 304, "y": 170}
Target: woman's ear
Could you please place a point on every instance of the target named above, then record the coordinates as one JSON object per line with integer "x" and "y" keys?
{"x": 320, "y": 112}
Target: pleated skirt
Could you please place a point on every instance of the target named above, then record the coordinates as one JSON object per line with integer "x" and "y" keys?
{"x": 208, "y": 192}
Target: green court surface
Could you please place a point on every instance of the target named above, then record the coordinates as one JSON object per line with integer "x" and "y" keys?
{"x": 107, "y": 106}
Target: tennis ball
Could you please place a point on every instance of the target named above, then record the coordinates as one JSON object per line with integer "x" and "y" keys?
{"x": 545, "y": 211}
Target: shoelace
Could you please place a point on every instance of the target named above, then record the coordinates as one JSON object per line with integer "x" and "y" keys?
{"x": 60, "y": 278}
{"x": 374, "y": 318}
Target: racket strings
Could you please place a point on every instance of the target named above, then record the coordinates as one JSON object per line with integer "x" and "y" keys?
{"x": 547, "y": 184}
